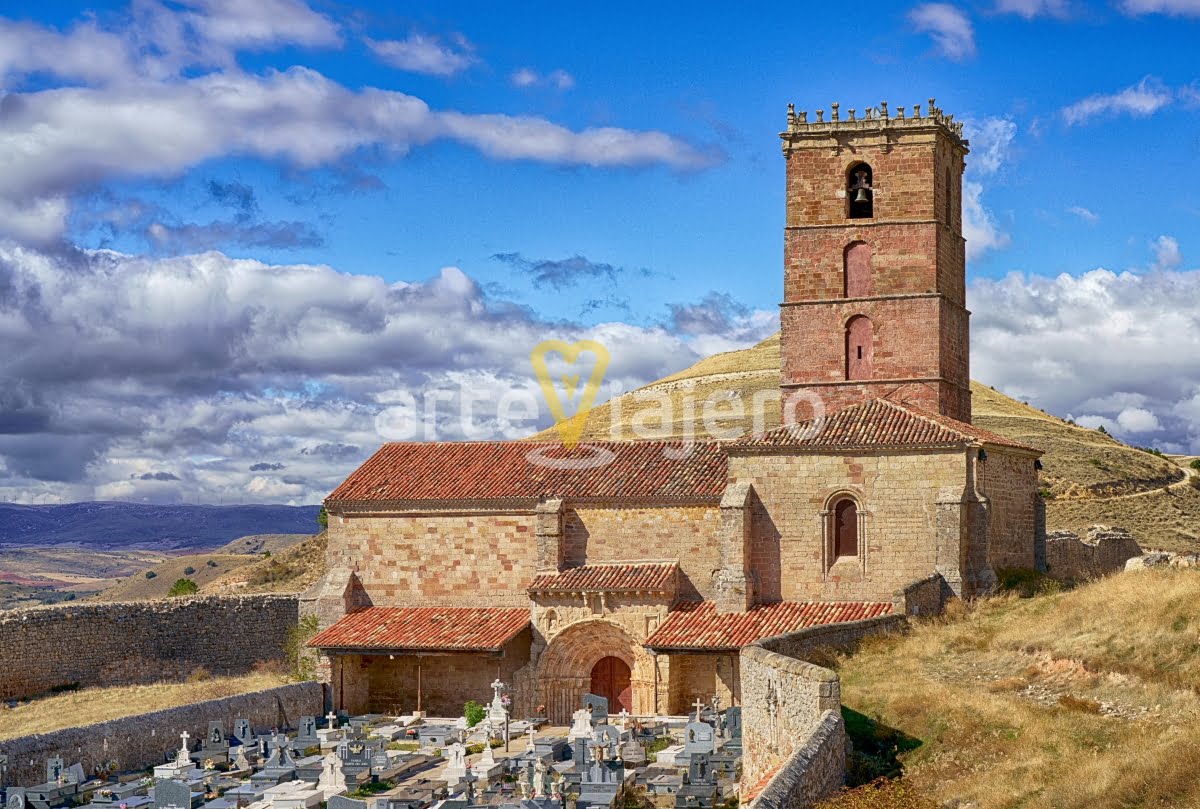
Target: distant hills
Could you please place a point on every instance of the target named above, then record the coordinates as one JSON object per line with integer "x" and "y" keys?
{"x": 112, "y": 526}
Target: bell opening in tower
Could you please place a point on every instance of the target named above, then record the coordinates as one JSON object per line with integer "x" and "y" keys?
{"x": 860, "y": 193}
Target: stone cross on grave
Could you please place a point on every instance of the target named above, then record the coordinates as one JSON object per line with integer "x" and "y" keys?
{"x": 699, "y": 704}
{"x": 332, "y": 719}
{"x": 184, "y": 759}
{"x": 531, "y": 730}
{"x": 497, "y": 687}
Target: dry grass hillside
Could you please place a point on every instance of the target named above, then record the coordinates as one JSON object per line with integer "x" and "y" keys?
{"x": 205, "y": 568}
{"x": 1089, "y": 477}
{"x": 259, "y": 543}
{"x": 91, "y": 705}
{"x": 292, "y": 570}
{"x": 1087, "y": 698}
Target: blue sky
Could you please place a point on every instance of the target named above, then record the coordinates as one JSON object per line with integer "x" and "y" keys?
{"x": 233, "y": 231}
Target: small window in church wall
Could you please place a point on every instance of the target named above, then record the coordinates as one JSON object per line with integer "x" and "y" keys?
{"x": 860, "y": 337}
{"x": 856, "y": 265}
{"x": 845, "y": 528}
{"x": 860, "y": 192}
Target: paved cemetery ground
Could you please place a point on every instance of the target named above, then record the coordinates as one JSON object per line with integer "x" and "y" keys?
{"x": 90, "y": 705}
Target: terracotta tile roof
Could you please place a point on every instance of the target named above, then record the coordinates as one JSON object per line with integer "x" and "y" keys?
{"x": 696, "y": 624}
{"x": 490, "y": 470}
{"x": 878, "y": 423}
{"x": 639, "y": 577}
{"x": 754, "y": 790}
{"x": 446, "y": 629}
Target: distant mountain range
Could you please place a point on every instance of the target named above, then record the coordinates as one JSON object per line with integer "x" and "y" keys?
{"x": 134, "y": 525}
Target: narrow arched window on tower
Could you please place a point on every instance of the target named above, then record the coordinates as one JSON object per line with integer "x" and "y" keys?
{"x": 856, "y": 266}
{"x": 845, "y": 528}
{"x": 860, "y": 193}
{"x": 860, "y": 336}
{"x": 949, "y": 200}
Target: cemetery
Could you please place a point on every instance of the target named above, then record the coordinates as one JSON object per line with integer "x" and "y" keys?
{"x": 377, "y": 761}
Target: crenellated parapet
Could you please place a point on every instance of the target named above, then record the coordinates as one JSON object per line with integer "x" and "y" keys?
{"x": 873, "y": 119}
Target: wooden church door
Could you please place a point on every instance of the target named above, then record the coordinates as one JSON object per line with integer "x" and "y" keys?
{"x": 610, "y": 679}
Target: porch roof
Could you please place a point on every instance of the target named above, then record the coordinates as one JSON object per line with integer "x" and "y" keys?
{"x": 617, "y": 577}
{"x": 696, "y": 626}
{"x": 424, "y": 629}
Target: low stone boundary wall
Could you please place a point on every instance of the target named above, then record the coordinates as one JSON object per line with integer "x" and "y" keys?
{"x": 815, "y": 770}
{"x": 925, "y": 596}
{"x": 139, "y": 641}
{"x": 792, "y": 712}
{"x": 1100, "y": 552}
{"x": 141, "y": 741}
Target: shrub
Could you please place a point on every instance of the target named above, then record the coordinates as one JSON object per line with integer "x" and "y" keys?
{"x": 1096, "y": 462}
{"x": 1195, "y": 464}
{"x": 474, "y": 713}
{"x": 323, "y": 518}
{"x": 301, "y": 661}
{"x": 1101, "y": 429}
{"x": 183, "y": 587}
{"x": 1024, "y": 581}
{"x": 189, "y": 570}
{"x": 1078, "y": 704}
{"x": 150, "y": 574}
{"x": 212, "y": 563}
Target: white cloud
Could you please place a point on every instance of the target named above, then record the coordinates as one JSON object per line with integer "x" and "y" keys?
{"x": 425, "y": 54}
{"x": 528, "y": 77}
{"x": 270, "y": 379}
{"x": 1140, "y": 100}
{"x": 1178, "y": 8}
{"x": 1118, "y": 349}
{"x": 949, "y": 27}
{"x": 1166, "y": 253}
{"x": 991, "y": 142}
{"x": 1086, "y": 214}
{"x": 979, "y": 226}
{"x": 261, "y": 24}
{"x": 1030, "y": 9}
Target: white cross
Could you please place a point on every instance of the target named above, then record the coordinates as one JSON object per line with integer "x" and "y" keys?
{"x": 184, "y": 737}
{"x": 332, "y": 717}
{"x": 699, "y": 704}
{"x": 496, "y": 686}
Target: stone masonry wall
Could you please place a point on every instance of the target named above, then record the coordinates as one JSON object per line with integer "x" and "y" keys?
{"x": 1009, "y": 480}
{"x": 460, "y": 559}
{"x": 614, "y": 533}
{"x": 137, "y": 742}
{"x": 897, "y": 491}
{"x": 139, "y": 641}
{"x": 791, "y": 716}
{"x": 1102, "y": 551}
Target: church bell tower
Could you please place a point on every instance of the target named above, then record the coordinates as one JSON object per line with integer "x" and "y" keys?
{"x": 874, "y": 303}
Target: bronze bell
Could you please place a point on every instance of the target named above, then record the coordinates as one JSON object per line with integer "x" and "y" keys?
{"x": 861, "y": 196}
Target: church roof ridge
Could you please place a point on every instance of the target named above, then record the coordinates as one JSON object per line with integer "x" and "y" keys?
{"x": 874, "y": 119}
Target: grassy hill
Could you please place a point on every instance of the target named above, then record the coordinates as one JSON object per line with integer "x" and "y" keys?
{"x": 258, "y": 543}
{"x": 205, "y": 568}
{"x": 292, "y": 570}
{"x": 1076, "y": 699}
{"x": 1089, "y": 477}
{"x": 47, "y": 575}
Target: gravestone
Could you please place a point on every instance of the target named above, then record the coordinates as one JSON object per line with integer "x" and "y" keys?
{"x": 307, "y": 737}
{"x": 598, "y": 705}
{"x": 15, "y": 798}
{"x": 172, "y": 793}
{"x": 244, "y": 732}
{"x": 733, "y": 722}
{"x": 633, "y": 754}
{"x": 698, "y": 737}
{"x": 333, "y": 780}
{"x": 216, "y": 745}
{"x": 581, "y": 725}
{"x": 456, "y": 763}
{"x": 342, "y": 802}
{"x": 54, "y": 770}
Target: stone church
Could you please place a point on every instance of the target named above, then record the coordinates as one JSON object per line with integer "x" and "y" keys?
{"x": 451, "y": 564}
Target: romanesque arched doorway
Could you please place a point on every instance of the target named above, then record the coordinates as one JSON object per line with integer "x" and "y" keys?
{"x": 611, "y": 680}
{"x": 566, "y": 670}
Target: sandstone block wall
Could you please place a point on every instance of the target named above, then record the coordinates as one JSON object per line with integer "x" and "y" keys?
{"x": 816, "y": 770}
{"x": 464, "y": 558}
{"x": 1100, "y": 552}
{"x": 924, "y": 597}
{"x": 615, "y": 533}
{"x": 1009, "y": 480}
{"x": 139, "y": 641}
{"x": 899, "y": 540}
{"x": 138, "y": 742}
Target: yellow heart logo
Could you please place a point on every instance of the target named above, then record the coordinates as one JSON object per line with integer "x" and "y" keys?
{"x": 569, "y": 428}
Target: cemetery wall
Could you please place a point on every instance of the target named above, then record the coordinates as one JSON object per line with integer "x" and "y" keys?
{"x": 1100, "y": 552}
{"x": 137, "y": 742}
{"x": 925, "y": 596}
{"x": 791, "y": 709}
{"x": 814, "y": 771}
{"x": 139, "y": 641}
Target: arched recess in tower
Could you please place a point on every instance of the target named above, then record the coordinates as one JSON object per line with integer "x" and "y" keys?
{"x": 860, "y": 338}
{"x": 856, "y": 265}
{"x": 860, "y": 191}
